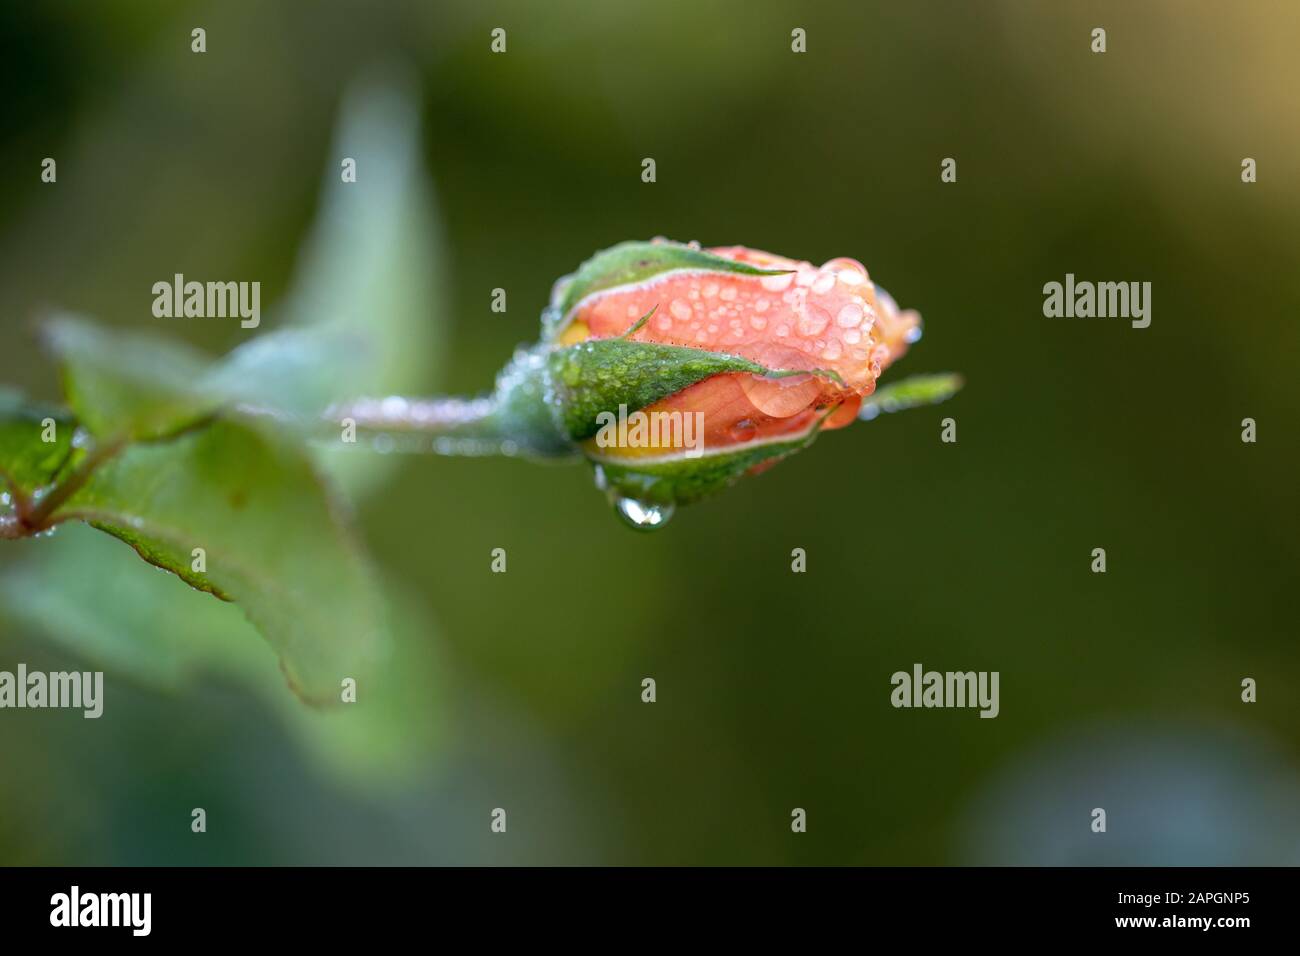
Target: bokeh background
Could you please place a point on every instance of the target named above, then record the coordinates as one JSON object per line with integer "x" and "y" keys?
{"x": 1119, "y": 690}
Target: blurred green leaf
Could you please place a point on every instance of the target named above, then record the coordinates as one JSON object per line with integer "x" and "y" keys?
{"x": 123, "y": 385}
{"x": 366, "y": 307}
{"x": 363, "y": 314}
{"x": 90, "y": 593}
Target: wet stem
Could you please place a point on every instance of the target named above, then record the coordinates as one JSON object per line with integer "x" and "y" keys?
{"x": 32, "y": 516}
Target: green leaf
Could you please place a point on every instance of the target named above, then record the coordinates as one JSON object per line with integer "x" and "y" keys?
{"x": 270, "y": 536}
{"x": 632, "y": 262}
{"x": 126, "y": 385}
{"x": 27, "y": 462}
{"x": 910, "y": 393}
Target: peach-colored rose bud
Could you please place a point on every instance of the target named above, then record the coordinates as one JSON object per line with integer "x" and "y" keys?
{"x": 677, "y": 370}
{"x": 830, "y": 323}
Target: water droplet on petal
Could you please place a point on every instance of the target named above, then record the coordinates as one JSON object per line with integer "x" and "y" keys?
{"x": 728, "y": 293}
{"x": 642, "y": 515}
{"x": 680, "y": 309}
{"x": 849, "y": 317}
{"x": 743, "y": 430}
{"x": 824, "y": 282}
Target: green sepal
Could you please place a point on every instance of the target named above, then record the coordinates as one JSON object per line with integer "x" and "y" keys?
{"x": 599, "y": 376}
{"x": 912, "y": 392}
{"x": 683, "y": 481}
{"x": 629, "y": 263}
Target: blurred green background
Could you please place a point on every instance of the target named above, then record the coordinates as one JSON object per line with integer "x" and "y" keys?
{"x": 1118, "y": 690}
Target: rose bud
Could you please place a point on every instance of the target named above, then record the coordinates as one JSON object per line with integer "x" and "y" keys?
{"x": 677, "y": 370}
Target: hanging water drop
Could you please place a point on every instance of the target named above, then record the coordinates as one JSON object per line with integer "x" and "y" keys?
{"x": 642, "y": 515}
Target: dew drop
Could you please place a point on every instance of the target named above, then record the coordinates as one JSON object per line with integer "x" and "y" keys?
{"x": 743, "y": 430}
{"x": 758, "y": 322}
{"x": 394, "y": 406}
{"x": 728, "y": 293}
{"x": 680, "y": 309}
{"x": 849, "y": 317}
{"x": 824, "y": 282}
{"x": 641, "y": 515}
